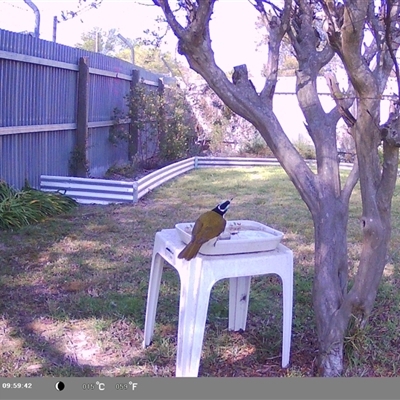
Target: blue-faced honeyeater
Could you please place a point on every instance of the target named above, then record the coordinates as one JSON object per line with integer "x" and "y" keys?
{"x": 208, "y": 226}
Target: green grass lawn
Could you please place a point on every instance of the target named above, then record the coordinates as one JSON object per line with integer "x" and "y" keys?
{"x": 73, "y": 289}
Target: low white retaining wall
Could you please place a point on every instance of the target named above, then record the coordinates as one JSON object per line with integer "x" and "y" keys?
{"x": 104, "y": 191}
{"x": 91, "y": 191}
{"x": 157, "y": 178}
{"x": 226, "y": 162}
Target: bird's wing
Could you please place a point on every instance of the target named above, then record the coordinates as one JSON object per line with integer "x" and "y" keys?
{"x": 201, "y": 233}
{"x": 206, "y": 234}
{"x": 197, "y": 228}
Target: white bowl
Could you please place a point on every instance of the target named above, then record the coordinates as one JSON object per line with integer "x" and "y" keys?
{"x": 240, "y": 236}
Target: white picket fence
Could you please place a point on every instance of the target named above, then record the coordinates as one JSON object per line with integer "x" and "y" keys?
{"x": 103, "y": 191}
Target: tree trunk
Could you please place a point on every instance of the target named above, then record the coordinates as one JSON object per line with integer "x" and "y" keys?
{"x": 333, "y": 303}
{"x": 330, "y": 284}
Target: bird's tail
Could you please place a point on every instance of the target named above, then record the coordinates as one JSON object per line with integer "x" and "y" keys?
{"x": 190, "y": 251}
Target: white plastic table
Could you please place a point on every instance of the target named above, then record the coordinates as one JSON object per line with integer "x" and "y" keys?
{"x": 197, "y": 277}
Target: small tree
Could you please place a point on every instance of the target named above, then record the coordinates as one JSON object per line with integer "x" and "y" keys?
{"x": 368, "y": 61}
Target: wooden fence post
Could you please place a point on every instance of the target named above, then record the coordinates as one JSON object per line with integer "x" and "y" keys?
{"x": 79, "y": 158}
{"x": 133, "y": 126}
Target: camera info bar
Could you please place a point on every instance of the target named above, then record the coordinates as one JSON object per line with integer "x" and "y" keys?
{"x": 154, "y": 388}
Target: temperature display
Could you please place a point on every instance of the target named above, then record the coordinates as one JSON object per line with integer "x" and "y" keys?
{"x": 126, "y": 386}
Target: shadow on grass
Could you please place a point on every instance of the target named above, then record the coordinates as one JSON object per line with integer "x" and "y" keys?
{"x": 257, "y": 351}
{"x": 57, "y": 279}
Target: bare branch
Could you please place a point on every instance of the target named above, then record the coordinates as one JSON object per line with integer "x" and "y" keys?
{"x": 241, "y": 97}
{"x": 352, "y": 32}
{"x": 390, "y": 130}
{"x": 377, "y": 31}
{"x": 390, "y": 21}
{"x": 276, "y": 27}
{"x": 389, "y": 170}
{"x": 259, "y": 6}
{"x": 66, "y": 15}
{"x": 200, "y": 15}
{"x": 351, "y": 181}
{"x": 370, "y": 52}
{"x": 169, "y": 15}
{"x": 343, "y": 103}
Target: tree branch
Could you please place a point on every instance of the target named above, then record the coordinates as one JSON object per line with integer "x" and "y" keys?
{"x": 276, "y": 26}
{"x": 389, "y": 173}
{"x": 305, "y": 43}
{"x": 352, "y": 32}
{"x": 199, "y": 26}
{"x": 390, "y": 13}
{"x": 351, "y": 181}
{"x": 259, "y": 6}
{"x": 375, "y": 48}
{"x": 176, "y": 27}
{"x": 343, "y": 103}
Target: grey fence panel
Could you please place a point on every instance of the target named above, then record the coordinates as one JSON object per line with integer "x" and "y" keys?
{"x": 26, "y": 156}
{"x": 28, "y": 45}
{"x": 36, "y": 95}
{"x": 102, "y": 153}
{"x": 38, "y": 107}
{"x": 105, "y": 94}
{"x": 56, "y": 154}
{"x": 103, "y": 62}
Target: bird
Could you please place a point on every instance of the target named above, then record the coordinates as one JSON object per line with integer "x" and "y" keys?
{"x": 208, "y": 226}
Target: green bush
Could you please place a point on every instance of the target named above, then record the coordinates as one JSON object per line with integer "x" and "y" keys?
{"x": 177, "y": 126}
{"x": 19, "y": 208}
{"x": 306, "y": 150}
{"x": 256, "y": 146}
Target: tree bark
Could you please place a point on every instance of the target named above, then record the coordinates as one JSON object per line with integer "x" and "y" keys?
{"x": 330, "y": 284}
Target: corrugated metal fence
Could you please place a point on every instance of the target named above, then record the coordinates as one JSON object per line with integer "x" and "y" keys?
{"x": 41, "y": 107}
